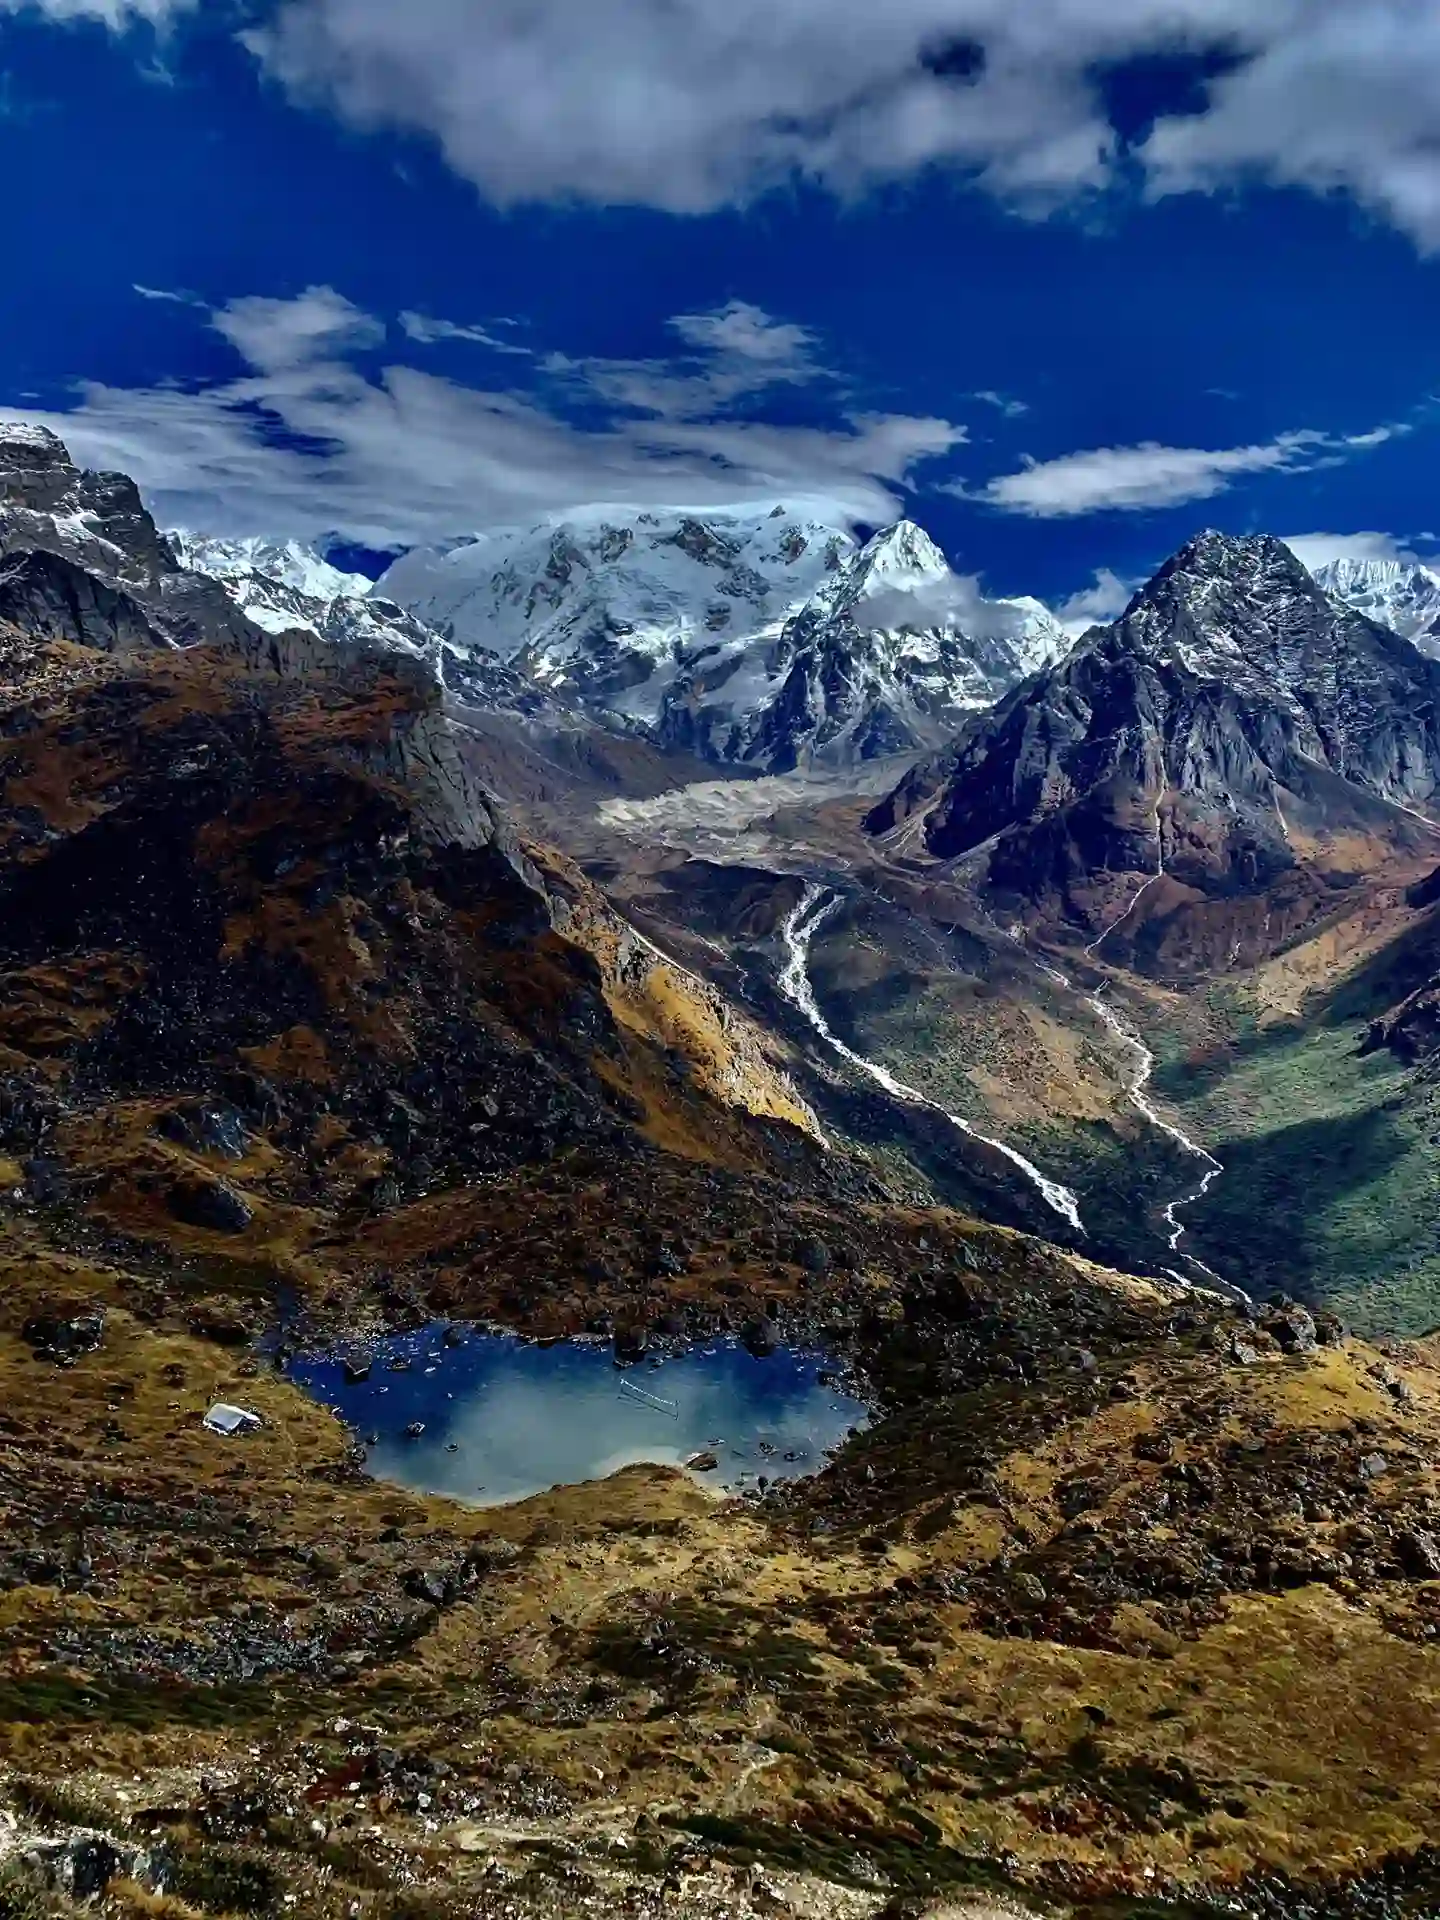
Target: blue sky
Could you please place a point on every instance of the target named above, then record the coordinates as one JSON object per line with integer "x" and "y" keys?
{"x": 1063, "y": 280}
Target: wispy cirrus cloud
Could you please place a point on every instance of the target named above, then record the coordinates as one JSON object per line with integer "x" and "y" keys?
{"x": 1149, "y": 475}
{"x": 317, "y": 437}
{"x": 735, "y": 353}
{"x": 427, "y": 331}
{"x": 277, "y": 336}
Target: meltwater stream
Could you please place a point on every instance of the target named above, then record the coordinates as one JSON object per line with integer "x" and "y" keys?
{"x": 1141, "y": 1101}
{"x": 816, "y": 906}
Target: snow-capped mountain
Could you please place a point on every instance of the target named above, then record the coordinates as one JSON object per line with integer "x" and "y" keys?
{"x": 615, "y": 602}
{"x": 892, "y": 651}
{"x": 285, "y": 586}
{"x": 1398, "y": 593}
{"x": 762, "y": 638}
{"x": 258, "y": 567}
{"x": 1235, "y": 724}
{"x": 282, "y": 585}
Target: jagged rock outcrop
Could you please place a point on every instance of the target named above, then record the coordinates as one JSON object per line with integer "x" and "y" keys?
{"x": 83, "y": 560}
{"x": 1237, "y": 726}
{"x": 98, "y": 524}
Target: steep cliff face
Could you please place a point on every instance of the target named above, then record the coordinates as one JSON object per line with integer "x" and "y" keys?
{"x": 73, "y": 522}
{"x": 1238, "y": 735}
{"x": 81, "y": 559}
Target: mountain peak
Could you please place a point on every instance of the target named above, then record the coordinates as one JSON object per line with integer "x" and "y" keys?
{"x": 1245, "y": 558}
{"x": 23, "y": 437}
{"x": 903, "y": 550}
{"x": 290, "y": 562}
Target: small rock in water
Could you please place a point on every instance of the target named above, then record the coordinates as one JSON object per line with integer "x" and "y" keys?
{"x": 760, "y": 1337}
{"x": 702, "y": 1462}
{"x": 415, "y": 1429}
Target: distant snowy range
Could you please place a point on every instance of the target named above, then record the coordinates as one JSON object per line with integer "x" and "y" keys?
{"x": 762, "y": 638}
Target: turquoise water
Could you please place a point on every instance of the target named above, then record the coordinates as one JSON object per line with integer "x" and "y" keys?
{"x": 504, "y": 1418}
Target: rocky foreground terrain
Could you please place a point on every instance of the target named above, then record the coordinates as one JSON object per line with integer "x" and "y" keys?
{"x": 1126, "y": 1603}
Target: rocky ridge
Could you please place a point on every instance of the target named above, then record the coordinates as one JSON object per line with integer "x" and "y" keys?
{"x": 83, "y": 561}
{"x": 1238, "y": 734}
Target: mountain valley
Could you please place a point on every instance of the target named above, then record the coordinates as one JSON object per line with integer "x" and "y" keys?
{"x": 1042, "y": 1036}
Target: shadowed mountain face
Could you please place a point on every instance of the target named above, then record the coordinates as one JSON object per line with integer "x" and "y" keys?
{"x": 273, "y": 957}
{"x": 1238, "y": 745}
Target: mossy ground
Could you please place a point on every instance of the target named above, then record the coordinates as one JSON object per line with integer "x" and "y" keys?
{"x": 1332, "y": 1169}
{"x": 921, "y": 1672}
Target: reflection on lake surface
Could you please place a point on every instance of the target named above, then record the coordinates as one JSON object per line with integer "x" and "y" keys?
{"x": 503, "y": 1418}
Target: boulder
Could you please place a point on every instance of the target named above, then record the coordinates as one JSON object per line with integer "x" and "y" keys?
{"x": 431, "y": 1584}
{"x": 206, "y": 1128}
{"x": 1419, "y": 1555}
{"x": 1292, "y": 1328}
{"x": 814, "y": 1256}
{"x": 58, "y": 1334}
{"x": 210, "y": 1204}
{"x": 491, "y": 1555}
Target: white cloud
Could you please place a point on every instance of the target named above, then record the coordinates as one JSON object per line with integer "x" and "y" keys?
{"x": 305, "y": 443}
{"x": 744, "y": 332}
{"x": 737, "y": 352}
{"x": 1105, "y": 599}
{"x": 427, "y": 331}
{"x": 1344, "y": 95}
{"x": 687, "y": 105}
{"x": 116, "y": 14}
{"x": 275, "y": 334}
{"x": 1002, "y": 403}
{"x": 955, "y": 603}
{"x": 1316, "y": 549}
{"x": 1132, "y": 479}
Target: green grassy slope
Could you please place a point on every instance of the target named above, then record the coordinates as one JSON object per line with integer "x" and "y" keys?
{"x": 1332, "y": 1172}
